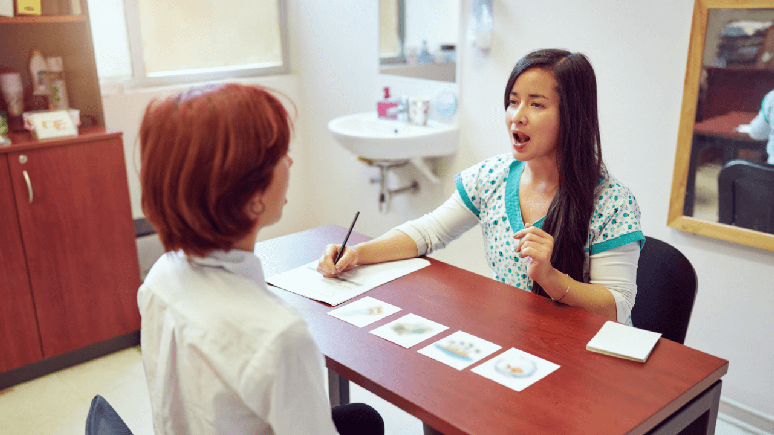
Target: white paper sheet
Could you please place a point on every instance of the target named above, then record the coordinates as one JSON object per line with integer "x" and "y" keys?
{"x": 515, "y": 369}
{"x": 308, "y": 282}
{"x": 409, "y": 330}
{"x": 364, "y": 311}
{"x": 460, "y": 350}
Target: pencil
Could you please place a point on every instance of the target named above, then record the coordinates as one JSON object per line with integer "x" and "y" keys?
{"x": 341, "y": 251}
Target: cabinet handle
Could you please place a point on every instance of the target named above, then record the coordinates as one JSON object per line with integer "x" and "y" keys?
{"x": 29, "y": 184}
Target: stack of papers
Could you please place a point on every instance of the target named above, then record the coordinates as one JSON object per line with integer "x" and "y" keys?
{"x": 623, "y": 341}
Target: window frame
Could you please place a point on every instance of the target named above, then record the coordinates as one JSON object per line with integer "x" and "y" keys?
{"x": 140, "y": 78}
{"x": 401, "y": 55}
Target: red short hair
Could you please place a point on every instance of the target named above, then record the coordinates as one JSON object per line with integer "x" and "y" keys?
{"x": 204, "y": 154}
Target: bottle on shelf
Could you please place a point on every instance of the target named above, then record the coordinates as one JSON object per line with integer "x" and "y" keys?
{"x": 57, "y": 97}
{"x": 385, "y": 104}
{"x": 39, "y": 77}
{"x": 13, "y": 96}
{"x": 424, "y": 54}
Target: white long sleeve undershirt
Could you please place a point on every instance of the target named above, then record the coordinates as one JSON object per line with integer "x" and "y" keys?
{"x": 614, "y": 269}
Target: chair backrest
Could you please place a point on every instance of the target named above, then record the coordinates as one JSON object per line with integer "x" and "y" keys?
{"x": 666, "y": 290}
{"x": 746, "y": 195}
{"x": 104, "y": 420}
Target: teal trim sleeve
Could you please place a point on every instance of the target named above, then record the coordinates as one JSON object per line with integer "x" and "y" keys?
{"x": 464, "y": 196}
{"x": 636, "y": 236}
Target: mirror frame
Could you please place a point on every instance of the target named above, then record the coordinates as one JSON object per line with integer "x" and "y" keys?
{"x": 676, "y": 218}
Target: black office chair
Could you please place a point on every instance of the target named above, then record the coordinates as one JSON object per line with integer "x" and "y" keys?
{"x": 104, "y": 420}
{"x": 143, "y": 228}
{"x": 746, "y": 195}
{"x": 666, "y": 290}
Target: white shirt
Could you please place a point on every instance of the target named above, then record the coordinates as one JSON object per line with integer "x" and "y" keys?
{"x": 615, "y": 269}
{"x": 760, "y": 127}
{"x": 223, "y": 355}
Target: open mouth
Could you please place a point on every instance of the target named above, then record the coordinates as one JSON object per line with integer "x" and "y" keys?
{"x": 520, "y": 138}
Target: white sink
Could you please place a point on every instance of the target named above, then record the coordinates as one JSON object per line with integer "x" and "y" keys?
{"x": 367, "y": 136}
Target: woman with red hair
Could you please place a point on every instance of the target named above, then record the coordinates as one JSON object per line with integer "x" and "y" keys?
{"x": 223, "y": 354}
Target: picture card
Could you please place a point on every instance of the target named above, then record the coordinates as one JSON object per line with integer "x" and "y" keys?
{"x": 460, "y": 350}
{"x": 364, "y": 311}
{"x": 515, "y": 369}
{"x": 409, "y": 330}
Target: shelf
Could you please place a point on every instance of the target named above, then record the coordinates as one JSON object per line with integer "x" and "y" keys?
{"x": 28, "y": 19}
{"x": 23, "y": 141}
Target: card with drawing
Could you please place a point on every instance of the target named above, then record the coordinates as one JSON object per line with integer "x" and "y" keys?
{"x": 515, "y": 369}
{"x": 460, "y": 350}
{"x": 409, "y": 330}
{"x": 364, "y": 311}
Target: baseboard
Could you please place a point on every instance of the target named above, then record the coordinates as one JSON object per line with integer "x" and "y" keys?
{"x": 53, "y": 364}
{"x": 747, "y": 418}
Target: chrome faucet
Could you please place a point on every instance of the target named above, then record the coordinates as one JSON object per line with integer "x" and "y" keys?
{"x": 402, "y": 109}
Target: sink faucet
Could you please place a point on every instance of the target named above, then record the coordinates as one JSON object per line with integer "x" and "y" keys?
{"x": 402, "y": 109}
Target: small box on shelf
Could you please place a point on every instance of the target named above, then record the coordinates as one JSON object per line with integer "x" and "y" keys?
{"x": 47, "y": 124}
{"x": 28, "y": 7}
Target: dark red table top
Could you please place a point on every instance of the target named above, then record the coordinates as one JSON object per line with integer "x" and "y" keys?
{"x": 724, "y": 125}
{"x": 590, "y": 393}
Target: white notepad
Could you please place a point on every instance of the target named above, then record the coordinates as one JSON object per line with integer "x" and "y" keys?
{"x": 623, "y": 341}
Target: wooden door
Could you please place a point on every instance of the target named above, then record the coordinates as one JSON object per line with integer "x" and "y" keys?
{"x": 79, "y": 236}
{"x": 19, "y": 338}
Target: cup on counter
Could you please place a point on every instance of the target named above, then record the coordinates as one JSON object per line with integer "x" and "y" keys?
{"x": 418, "y": 110}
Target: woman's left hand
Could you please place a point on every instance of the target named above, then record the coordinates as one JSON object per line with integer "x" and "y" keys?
{"x": 538, "y": 245}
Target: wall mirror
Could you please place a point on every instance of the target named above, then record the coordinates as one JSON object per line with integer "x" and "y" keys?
{"x": 419, "y": 38}
{"x": 730, "y": 70}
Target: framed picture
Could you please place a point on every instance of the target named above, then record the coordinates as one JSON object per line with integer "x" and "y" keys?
{"x": 51, "y": 124}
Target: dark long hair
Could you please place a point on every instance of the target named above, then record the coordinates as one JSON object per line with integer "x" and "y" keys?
{"x": 578, "y": 155}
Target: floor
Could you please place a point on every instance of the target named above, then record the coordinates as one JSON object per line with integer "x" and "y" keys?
{"x": 57, "y": 404}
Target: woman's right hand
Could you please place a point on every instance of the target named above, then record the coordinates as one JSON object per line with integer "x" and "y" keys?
{"x": 347, "y": 261}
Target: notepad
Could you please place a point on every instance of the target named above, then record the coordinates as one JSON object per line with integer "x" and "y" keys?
{"x": 623, "y": 341}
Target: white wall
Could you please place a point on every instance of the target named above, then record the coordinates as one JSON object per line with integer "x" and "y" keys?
{"x": 639, "y": 53}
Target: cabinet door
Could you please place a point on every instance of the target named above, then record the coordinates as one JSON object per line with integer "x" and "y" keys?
{"x": 19, "y": 338}
{"x": 79, "y": 238}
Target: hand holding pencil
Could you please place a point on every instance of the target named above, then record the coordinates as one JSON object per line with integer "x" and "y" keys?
{"x": 338, "y": 258}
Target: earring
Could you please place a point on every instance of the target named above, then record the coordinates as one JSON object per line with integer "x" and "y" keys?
{"x": 252, "y": 207}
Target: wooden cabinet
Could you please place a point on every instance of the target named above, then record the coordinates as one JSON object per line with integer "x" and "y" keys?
{"x": 72, "y": 257}
{"x": 18, "y": 325}
{"x": 69, "y": 271}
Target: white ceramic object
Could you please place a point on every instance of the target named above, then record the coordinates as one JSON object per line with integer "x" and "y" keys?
{"x": 367, "y": 136}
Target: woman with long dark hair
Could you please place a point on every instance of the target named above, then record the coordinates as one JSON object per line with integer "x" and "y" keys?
{"x": 554, "y": 221}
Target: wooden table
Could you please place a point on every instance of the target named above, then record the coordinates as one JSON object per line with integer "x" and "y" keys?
{"x": 718, "y": 132}
{"x": 589, "y": 394}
